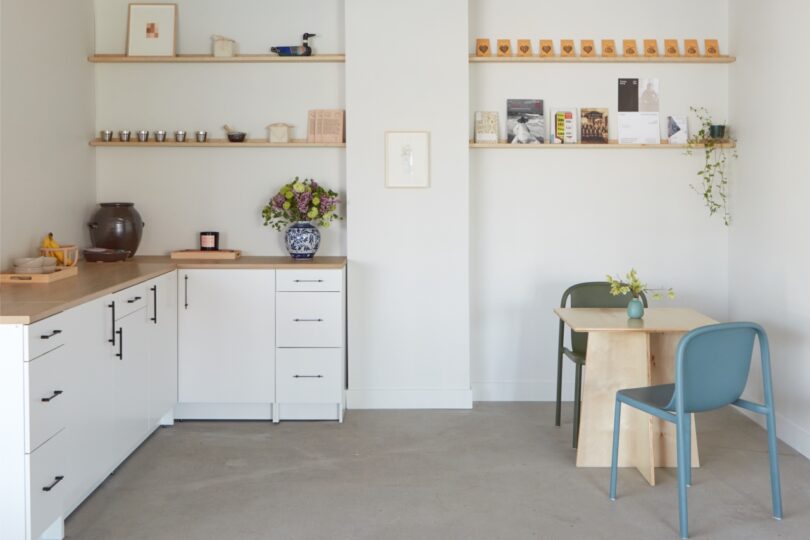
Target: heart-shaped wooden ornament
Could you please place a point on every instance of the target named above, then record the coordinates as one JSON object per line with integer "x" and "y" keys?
{"x": 568, "y": 48}
{"x": 524, "y": 48}
{"x": 483, "y": 48}
{"x": 504, "y": 48}
{"x": 546, "y": 49}
{"x": 587, "y": 49}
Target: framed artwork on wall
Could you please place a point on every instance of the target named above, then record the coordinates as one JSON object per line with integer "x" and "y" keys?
{"x": 152, "y": 30}
{"x": 407, "y": 159}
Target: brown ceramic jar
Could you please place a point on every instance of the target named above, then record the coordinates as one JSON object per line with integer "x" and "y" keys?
{"x": 116, "y": 225}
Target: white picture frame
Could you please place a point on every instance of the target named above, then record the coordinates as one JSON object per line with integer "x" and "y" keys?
{"x": 407, "y": 159}
{"x": 152, "y": 30}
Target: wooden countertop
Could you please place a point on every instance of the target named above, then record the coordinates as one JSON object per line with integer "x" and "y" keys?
{"x": 28, "y": 303}
{"x": 656, "y": 320}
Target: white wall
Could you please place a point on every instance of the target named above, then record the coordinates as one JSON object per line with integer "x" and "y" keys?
{"x": 543, "y": 220}
{"x": 180, "y": 192}
{"x": 47, "y": 177}
{"x": 768, "y": 258}
{"x": 408, "y": 251}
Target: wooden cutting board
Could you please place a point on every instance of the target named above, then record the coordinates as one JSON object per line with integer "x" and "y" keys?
{"x": 198, "y": 254}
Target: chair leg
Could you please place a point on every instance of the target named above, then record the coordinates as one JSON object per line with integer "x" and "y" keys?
{"x": 682, "y": 439}
{"x": 614, "y": 460}
{"x": 559, "y": 388}
{"x": 577, "y": 402}
{"x": 688, "y": 448}
{"x": 776, "y": 489}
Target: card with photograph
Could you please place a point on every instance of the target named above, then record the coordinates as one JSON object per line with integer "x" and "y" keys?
{"x": 593, "y": 126}
{"x": 525, "y": 122}
{"x": 648, "y": 92}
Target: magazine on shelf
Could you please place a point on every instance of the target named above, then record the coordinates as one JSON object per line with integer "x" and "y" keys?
{"x": 677, "y": 130}
{"x": 638, "y": 118}
{"x": 525, "y": 122}
{"x": 486, "y": 127}
{"x": 564, "y": 126}
{"x": 593, "y": 125}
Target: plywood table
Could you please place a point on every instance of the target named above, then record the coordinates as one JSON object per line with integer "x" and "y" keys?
{"x": 628, "y": 353}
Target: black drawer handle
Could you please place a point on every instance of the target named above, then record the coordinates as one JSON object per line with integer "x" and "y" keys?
{"x": 307, "y": 320}
{"x": 56, "y": 480}
{"x": 133, "y": 300}
{"x": 55, "y": 394}
{"x": 49, "y": 336}
{"x": 308, "y": 281}
{"x": 308, "y": 376}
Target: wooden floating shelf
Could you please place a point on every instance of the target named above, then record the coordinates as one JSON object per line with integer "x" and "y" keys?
{"x": 205, "y": 58}
{"x": 611, "y": 145}
{"x": 214, "y": 143}
{"x": 604, "y": 59}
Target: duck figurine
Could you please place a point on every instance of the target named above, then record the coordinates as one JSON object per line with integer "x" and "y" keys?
{"x": 292, "y": 50}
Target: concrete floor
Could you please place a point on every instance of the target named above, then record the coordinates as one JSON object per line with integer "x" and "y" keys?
{"x": 499, "y": 471}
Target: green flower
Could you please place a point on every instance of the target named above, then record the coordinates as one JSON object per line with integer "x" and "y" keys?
{"x": 299, "y": 187}
{"x": 288, "y": 195}
{"x": 313, "y": 213}
{"x": 316, "y": 200}
{"x": 286, "y": 205}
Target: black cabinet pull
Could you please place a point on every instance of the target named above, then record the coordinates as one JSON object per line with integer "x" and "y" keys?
{"x": 154, "y": 298}
{"x": 49, "y": 398}
{"x": 308, "y": 376}
{"x": 120, "y": 353}
{"x": 186, "y": 290}
{"x": 307, "y": 320}
{"x": 112, "y": 307}
{"x": 133, "y": 300}
{"x": 49, "y": 336}
{"x": 56, "y": 480}
{"x": 308, "y": 281}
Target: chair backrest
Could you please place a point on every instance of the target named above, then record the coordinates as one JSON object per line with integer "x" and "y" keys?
{"x": 712, "y": 365}
{"x": 593, "y": 294}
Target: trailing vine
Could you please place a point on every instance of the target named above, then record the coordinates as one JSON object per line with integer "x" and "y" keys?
{"x": 713, "y": 187}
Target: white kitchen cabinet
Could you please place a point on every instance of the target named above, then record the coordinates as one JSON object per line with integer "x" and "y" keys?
{"x": 310, "y": 345}
{"x": 226, "y": 347}
{"x": 161, "y": 311}
{"x": 130, "y": 381}
{"x": 91, "y": 419}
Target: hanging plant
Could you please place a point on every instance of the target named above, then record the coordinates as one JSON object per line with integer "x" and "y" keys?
{"x": 713, "y": 186}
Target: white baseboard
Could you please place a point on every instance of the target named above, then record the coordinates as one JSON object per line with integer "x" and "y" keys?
{"x": 523, "y": 390}
{"x": 787, "y": 431}
{"x": 396, "y": 398}
{"x": 223, "y": 411}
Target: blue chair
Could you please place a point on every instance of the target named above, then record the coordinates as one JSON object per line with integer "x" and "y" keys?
{"x": 711, "y": 371}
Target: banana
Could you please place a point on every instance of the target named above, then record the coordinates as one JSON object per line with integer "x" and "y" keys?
{"x": 49, "y": 242}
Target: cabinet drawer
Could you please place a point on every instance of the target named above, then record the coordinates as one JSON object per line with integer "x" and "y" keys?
{"x": 309, "y": 375}
{"x": 46, "y": 335}
{"x": 45, "y": 476}
{"x": 129, "y": 300}
{"x": 309, "y": 319}
{"x": 47, "y": 396}
{"x": 309, "y": 280}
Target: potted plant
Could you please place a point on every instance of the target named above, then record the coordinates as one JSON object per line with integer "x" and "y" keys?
{"x": 714, "y": 174}
{"x": 633, "y": 285}
{"x": 301, "y": 206}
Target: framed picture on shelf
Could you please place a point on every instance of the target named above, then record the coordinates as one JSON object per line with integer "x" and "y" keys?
{"x": 152, "y": 30}
{"x": 407, "y": 159}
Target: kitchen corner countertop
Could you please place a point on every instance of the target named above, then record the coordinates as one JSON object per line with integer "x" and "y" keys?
{"x": 27, "y": 303}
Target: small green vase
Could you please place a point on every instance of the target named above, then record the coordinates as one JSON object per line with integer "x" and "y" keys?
{"x": 635, "y": 309}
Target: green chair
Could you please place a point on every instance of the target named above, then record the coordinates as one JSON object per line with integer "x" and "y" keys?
{"x": 593, "y": 294}
{"x": 711, "y": 371}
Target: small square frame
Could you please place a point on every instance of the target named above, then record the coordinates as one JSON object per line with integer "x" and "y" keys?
{"x": 165, "y": 43}
{"x": 399, "y": 173}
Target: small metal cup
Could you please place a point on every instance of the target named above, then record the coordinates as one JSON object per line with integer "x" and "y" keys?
{"x": 180, "y": 136}
{"x": 202, "y": 136}
{"x": 160, "y": 136}
{"x": 106, "y": 135}
{"x": 143, "y": 135}
{"x": 123, "y": 136}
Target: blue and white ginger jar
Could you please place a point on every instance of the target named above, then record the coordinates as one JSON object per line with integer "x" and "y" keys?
{"x": 303, "y": 239}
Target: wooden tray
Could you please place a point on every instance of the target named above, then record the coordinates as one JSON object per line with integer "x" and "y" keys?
{"x": 220, "y": 254}
{"x": 62, "y": 272}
